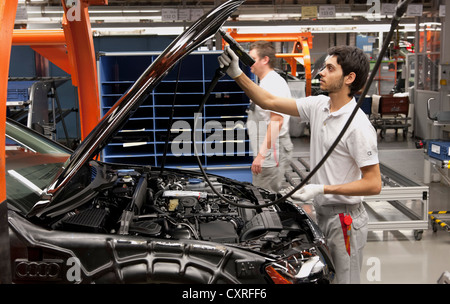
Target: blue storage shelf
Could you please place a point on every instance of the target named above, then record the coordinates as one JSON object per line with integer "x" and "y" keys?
{"x": 19, "y": 90}
{"x": 142, "y": 139}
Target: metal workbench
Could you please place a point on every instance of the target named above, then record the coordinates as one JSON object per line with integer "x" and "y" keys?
{"x": 401, "y": 205}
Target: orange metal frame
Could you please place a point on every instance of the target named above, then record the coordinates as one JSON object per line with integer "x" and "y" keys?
{"x": 8, "y": 16}
{"x": 302, "y": 45}
{"x": 72, "y": 50}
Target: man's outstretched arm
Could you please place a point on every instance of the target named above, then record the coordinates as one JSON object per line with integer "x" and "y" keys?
{"x": 257, "y": 94}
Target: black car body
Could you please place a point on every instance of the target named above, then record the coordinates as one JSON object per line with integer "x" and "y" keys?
{"x": 74, "y": 219}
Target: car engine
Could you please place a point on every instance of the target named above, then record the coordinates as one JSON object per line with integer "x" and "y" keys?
{"x": 118, "y": 220}
{"x": 179, "y": 204}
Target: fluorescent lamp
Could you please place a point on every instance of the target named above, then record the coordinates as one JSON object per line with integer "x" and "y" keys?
{"x": 124, "y": 31}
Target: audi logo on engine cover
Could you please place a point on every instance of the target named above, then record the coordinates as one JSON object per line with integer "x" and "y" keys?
{"x": 38, "y": 270}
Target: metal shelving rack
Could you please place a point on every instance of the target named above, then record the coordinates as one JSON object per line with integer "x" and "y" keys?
{"x": 142, "y": 139}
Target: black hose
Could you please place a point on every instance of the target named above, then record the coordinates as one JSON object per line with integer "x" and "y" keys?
{"x": 169, "y": 125}
{"x": 400, "y": 10}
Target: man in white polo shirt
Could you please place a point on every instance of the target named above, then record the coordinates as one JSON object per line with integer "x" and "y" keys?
{"x": 268, "y": 131}
{"x": 352, "y": 169}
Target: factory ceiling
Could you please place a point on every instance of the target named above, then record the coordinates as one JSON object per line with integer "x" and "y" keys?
{"x": 254, "y": 13}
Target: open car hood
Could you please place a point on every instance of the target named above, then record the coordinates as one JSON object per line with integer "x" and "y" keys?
{"x": 118, "y": 115}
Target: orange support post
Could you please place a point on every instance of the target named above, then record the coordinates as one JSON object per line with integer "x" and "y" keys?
{"x": 302, "y": 45}
{"x": 7, "y": 16}
{"x": 80, "y": 45}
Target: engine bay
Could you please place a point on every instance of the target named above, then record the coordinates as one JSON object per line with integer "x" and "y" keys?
{"x": 178, "y": 204}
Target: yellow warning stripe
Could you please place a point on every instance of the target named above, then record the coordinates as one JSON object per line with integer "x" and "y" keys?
{"x": 438, "y": 212}
{"x": 440, "y": 223}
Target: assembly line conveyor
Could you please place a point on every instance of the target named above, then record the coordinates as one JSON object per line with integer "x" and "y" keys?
{"x": 401, "y": 205}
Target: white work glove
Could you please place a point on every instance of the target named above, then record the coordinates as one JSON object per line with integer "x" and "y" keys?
{"x": 231, "y": 60}
{"x": 309, "y": 192}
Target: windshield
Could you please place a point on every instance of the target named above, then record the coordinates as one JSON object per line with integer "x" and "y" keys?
{"x": 32, "y": 162}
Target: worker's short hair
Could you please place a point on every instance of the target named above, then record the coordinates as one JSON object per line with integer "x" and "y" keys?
{"x": 265, "y": 48}
{"x": 352, "y": 59}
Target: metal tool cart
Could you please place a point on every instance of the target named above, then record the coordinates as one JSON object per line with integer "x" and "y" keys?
{"x": 401, "y": 205}
{"x": 392, "y": 114}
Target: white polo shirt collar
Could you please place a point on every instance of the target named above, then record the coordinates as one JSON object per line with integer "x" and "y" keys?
{"x": 348, "y": 107}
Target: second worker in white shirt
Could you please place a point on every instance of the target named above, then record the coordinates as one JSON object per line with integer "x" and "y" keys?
{"x": 268, "y": 130}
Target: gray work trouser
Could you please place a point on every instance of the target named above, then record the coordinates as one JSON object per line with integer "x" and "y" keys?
{"x": 346, "y": 245}
{"x": 268, "y": 179}
{"x": 271, "y": 178}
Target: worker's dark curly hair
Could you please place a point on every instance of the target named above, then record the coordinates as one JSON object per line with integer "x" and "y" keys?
{"x": 352, "y": 59}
